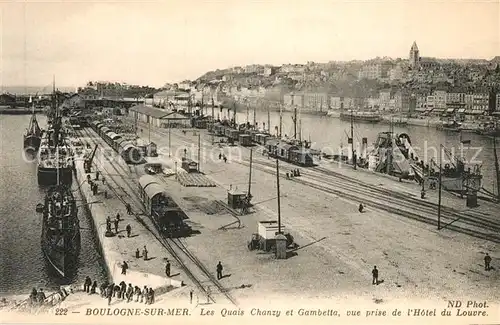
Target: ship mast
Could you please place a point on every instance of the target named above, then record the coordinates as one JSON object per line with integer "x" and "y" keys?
{"x": 294, "y": 119}
{"x": 268, "y": 119}
{"x": 497, "y": 167}
{"x": 281, "y": 120}
{"x": 352, "y": 141}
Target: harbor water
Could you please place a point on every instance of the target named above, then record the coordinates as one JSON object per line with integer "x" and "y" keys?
{"x": 23, "y": 265}
{"x": 329, "y": 134}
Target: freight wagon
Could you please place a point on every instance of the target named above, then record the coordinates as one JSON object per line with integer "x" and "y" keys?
{"x": 289, "y": 153}
{"x": 125, "y": 148}
{"x": 167, "y": 217}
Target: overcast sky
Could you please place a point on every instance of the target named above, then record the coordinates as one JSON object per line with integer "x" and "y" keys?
{"x": 157, "y": 42}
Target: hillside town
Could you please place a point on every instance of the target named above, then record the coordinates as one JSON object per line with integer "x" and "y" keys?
{"x": 417, "y": 86}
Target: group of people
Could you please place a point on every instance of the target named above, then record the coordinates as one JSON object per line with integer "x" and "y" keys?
{"x": 123, "y": 292}
{"x": 223, "y": 157}
{"x": 144, "y": 253}
{"x": 116, "y": 223}
{"x": 293, "y": 173}
{"x": 89, "y": 286}
{"x": 37, "y": 297}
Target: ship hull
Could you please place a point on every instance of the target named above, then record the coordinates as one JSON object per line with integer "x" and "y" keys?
{"x": 51, "y": 176}
{"x": 360, "y": 119}
{"x": 62, "y": 262}
{"x": 32, "y": 143}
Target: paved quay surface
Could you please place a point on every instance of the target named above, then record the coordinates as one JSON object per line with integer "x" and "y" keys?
{"x": 121, "y": 248}
{"x": 414, "y": 259}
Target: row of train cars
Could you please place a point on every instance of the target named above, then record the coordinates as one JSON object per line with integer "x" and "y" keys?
{"x": 167, "y": 217}
{"x": 293, "y": 152}
{"x": 125, "y": 147}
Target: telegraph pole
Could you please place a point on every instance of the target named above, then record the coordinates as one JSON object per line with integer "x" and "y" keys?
{"x": 254, "y": 116}
{"x": 278, "y": 188}
{"x": 169, "y": 143}
{"x": 440, "y": 179}
{"x": 352, "y": 142}
{"x": 199, "y": 150}
{"x": 281, "y": 120}
{"x": 268, "y": 120}
{"x": 250, "y": 176}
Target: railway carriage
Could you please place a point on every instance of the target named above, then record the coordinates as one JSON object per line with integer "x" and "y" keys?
{"x": 167, "y": 217}
{"x": 130, "y": 153}
{"x": 232, "y": 134}
{"x": 245, "y": 140}
{"x": 301, "y": 156}
{"x": 289, "y": 153}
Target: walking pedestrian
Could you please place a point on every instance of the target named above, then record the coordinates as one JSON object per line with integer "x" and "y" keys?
{"x": 129, "y": 230}
{"x": 97, "y": 175}
{"x": 220, "y": 156}
{"x": 118, "y": 217}
{"x": 137, "y": 292}
{"x": 129, "y": 208}
{"x": 93, "y": 288}
{"x": 87, "y": 284}
{"x": 145, "y": 253}
{"x": 130, "y": 292}
{"x": 137, "y": 254}
{"x": 375, "y": 275}
{"x": 191, "y": 296}
{"x": 361, "y": 207}
{"x": 116, "y": 225}
{"x": 144, "y": 293}
{"x": 487, "y": 261}
{"x": 108, "y": 226}
{"x": 124, "y": 267}
{"x": 167, "y": 269}
{"x": 152, "y": 296}
{"x": 219, "y": 271}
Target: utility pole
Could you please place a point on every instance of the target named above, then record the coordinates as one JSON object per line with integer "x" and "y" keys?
{"x": 497, "y": 167}
{"x": 169, "y": 143}
{"x": 199, "y": 150}
{"x": 234, "y": 114}
{"x": 254, "y": 116}
{"x": 268, "y": 119}
{"x": 278, "y": 188}
{"x": 281, "y": 120}
{"x": 250, "y": 177}
{"x": 294, "y": 118}
{"x": 149, "y": 130}
{"x": 352, "y": 142}
{"x": 440, "y": 179}
{"x": 248, "y": 108}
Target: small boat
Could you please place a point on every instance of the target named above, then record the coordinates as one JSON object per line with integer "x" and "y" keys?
{"x": 60, "y": 237}
{"x": 361, "y": 116}
{"x": 33, "y": 135}
{"x": 452, "y": 126}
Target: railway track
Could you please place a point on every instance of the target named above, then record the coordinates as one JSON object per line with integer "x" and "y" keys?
{"x": 387, "y": 200}
{"x": 396, "y": 206}
{"x": 174, "y": 246}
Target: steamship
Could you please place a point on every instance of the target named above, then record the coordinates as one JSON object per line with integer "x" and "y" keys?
{"x": 60, "y": 238}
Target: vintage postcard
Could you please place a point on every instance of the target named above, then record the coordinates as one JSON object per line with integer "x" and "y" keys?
{"x": 244, "y": 161}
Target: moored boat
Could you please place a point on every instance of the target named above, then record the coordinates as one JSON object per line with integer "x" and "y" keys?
{"x": 33, "y": 135}
{"x": 361, "y": 116}
{"x": 60, "y": 239}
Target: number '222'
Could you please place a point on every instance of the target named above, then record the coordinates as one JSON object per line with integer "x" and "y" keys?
{"x": 61, "y": 311}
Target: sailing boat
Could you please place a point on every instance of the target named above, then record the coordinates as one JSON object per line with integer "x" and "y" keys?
{"x": 60, "y": 239}
{"x": 33, "y": 135}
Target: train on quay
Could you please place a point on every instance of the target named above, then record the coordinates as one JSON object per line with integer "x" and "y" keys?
{"x": 292, "y": 151}
{"x": 130, "y": 153}
{"x": 167, "y": 217}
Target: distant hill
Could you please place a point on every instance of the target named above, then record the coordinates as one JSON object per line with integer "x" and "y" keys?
{"x": 31, "y": 90}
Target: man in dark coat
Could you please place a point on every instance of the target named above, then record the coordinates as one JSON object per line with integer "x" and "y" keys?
{"x": 129, "y": 230}
{"x": 116, "y": 225}
{"x": 167, "y": 269}
{"x": 375, "y": 275}
{"x": 487, "y": 261}
{"x": 87, "y": 284}
{"x": 124, "y": 267}
{"x": 219, "y": 271}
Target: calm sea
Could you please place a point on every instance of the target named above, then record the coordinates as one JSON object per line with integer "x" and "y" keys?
{"x": 22, "y": 264}
{"x": 329, "y": 134}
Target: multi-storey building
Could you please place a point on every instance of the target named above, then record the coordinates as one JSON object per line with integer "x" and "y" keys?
{"x": 315, "y": 102}
{"x": 497, "y": 102}
{"x": 292, "y": 99}
{"x": 385, "y": 100}
{"x": 341, "y": 103}
{"x": 375, "y": 71}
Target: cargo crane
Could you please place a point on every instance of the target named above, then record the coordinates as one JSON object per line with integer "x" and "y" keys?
{"x": 88, "y": 160}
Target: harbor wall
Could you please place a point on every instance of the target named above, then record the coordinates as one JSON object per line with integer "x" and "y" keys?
{"x": 110, "y": 246}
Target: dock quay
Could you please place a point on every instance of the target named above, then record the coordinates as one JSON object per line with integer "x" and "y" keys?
{"x": 356, "y": 240}
{"x": 119, "y": 248}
